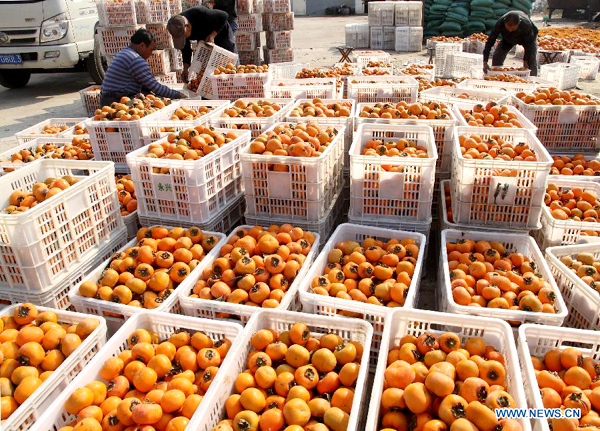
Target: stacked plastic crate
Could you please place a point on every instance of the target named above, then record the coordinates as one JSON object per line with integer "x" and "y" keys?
{"x": 408, "y": 19}
{"x": 164, "y": 61}
{"x": 278, "y": 22}
{"x": 119, "y": 20}
{"x": 381, "y": 24}
{"x": 250, "y": 26}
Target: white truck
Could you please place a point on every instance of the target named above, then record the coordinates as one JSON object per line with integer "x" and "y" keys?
{"x": 41, "y": 36}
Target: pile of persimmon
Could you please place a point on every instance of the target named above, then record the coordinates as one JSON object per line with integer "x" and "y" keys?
{"x": 318, "y": 108}
{"x": 445, "y": 383}
{"x": 333, "y": 72}
{"x": 256, "y": 267}
{"x": 378, "y": 64}
{"x": 33, "y": 345}
{"x": 80, "y": 148}
{"x": 374, "y": 272}
{"x": 403, "y": 110}
{"x": 494, "y": 148}
{"x": 148, "y": 273}
{"x": 185, "y": 113}
{"x": 490, "y": 115}
{"x": 561, "y": 38}
{"x": 188, "y": 144}
{"x": 572, "y": 204}
{"x": 417, "y": 69}
{"x": 426, "y": 84}
{"x": 507, "y": 69}
{"x": 554, "y": 96}
{"x": 80, "y": 130}
{"x": 231, "y": 69}
{"x": 586, "y": 266}
{"x": 20, "y": 201}
{"x": 445, "y": 39}
{"x": 448, "y": 200}
{"x": 507, "y": 77}
{"x": 295, "y": 140}
{"x": 52, "y": 129}
{"x": 126, "y": 194}
{"x": 131, "y": 109}
{"x": 250, "y": 109}
{"x": 194, "y": 83}
{"x": 375, "y": 71}
{"x": 485, "y": 274}
{"x": 394, "y": 148}
{"x": 31, "y": 154}
{"x": 151, "y": 385}
{"x": 577, "y": 164}
{"x": 294, "y": 381}
{"x": 568, "y": 379}
{"x": 482, "y": 37}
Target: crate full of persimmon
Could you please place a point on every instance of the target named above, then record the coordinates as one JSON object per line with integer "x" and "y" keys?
{"x": 392, "y": 172}
{"x": 56, "y": 214}
{"x": 293, "y": 171}
{"x": 233, "y": 82}
{"x": 190, "y": 175}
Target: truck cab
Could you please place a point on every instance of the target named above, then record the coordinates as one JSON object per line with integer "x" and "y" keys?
{"x": 40, "y": 36}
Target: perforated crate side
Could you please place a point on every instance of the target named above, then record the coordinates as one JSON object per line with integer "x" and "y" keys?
{"x": 239, "y": 85}
{"x": 251, "y": 57}
{"x": 277, "y": 6}
{"x": 114, "y": 39}
{"x": 113, "y": 13}
{"x": 90, "y": 99}
{"x": 163, "y": 38}
{"x": 279, "y": 39}
{"x": 278, "y": 55}
{"x": 386, "y": 89}
{"x": 160, "y": 62}
{"x": 246, "y": 41}
{"x": 250, "y": 23}
{"x": 564, "y": 75}
{"x": 279, "y": 21}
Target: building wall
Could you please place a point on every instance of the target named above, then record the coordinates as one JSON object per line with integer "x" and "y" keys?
{"x": 317, "y": 7}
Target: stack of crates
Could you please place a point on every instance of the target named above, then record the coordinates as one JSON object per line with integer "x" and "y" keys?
{"x": 381, "y": 24}
{"x": 408, "y": 21}
{"x": 357, "y": 35}
{"x": 278, "y": 22}
{"x": 118, "y": 21}
{"x": 247, "y": 35}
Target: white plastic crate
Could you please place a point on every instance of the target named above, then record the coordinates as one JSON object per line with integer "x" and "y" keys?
{"x": 509, "y": 87}
{"x": 515, "y": 243}
{"x": 441, "y": 50}
{"x": 40, "y": 246}
{"x": 246, "y": 41}
{"x": 159, "y": 11}
{"x": 443, "y": 132}
{"x": 279, "y": 39}
{"x": 28, "y": 413}
{"x": 175, "y": 59}
{"x": 459, "y": 64}
{"x": 408, "y": 13}
{"x": 408, "y": 39}
{"x": 167, "y": 79}
{"x": 557, "y": 56}
{"x": 193, "y": 191}
{"x": 286, "y": 70}
{"x": 303, "y": 192}
{"x": 244, "y": 7}
{"x": 497, "y": 70}
{"x": 161, "y": 36}
{"x": 114, "y": 39}
{"x": 451, "y": 95}
{"x": 278, "y": 55}
{"x": 240, "y": 85}
{"x": 390, "y": 196}
{"x": 8, "y": 166}
{"x": 390, "y": 89}
{"x": 256, "y": 125}
{"x": 132, "y": 224}
{"x": 57, "y": 296}
{"x": 589, "y": 66}
{"x": 357, "y": 35}
{"x": 55, "y": 417}
{"x": 154, "y": 126}
{"x": 276, "y": 6}
{"x": 469, "y": 105}
{"x": 569, "y": 128}
{"x": 381, "y": 13}
{"x": 363, "y": 57}
{"x": 374, "y": 314}
{"x": 583, "y": 301}
{"x": 564, "y": 75}
{"x": 116, "y": 13}
{"x": 351, "y": 330}
{"x": 389, "y": 37}
{"x": 251, "y": 57}
{"x": 313, "y": 88}
{"x": 207, "y": 57}
{"x": 556, "y": 232}
{"x": 481, "y": 196}
{"x": 537, "y": 340}
{"x": 117, "y": 314}
{"x": 36, "y": 131}
{"x": 213, "y": 309}
{"x": 423, "y": 72}
{"x": 279, "y": 21}
{"x": 376, "y": 37}
{"x": 419, "y": 322}
{"x": 90, "y": 99}
{"x": 250, "y": 23}
{"x": 159, "y": 61}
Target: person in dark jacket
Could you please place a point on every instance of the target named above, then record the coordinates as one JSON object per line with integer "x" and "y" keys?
{"x": 200, "y": 24}
{"x": 229, "y": 7}
{"x": 516, "y": 28}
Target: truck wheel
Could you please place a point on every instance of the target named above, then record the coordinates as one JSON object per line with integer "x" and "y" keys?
{"x": 96, "y": 63}
{"x": 14, "y": 78}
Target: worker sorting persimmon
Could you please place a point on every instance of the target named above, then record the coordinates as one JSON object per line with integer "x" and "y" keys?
{"x": 494, "y": 148}
{"x": 373, "y": 272}
{"x": 295, "y": 140}
{"x": 256, "y": 267}
{"x": 486, "y": 274}
{"x": 577, "y": 164}
{"x": 572, "y": 203}
{"x": 445, "y": 382}
{"x": 554, "y": 96}
{"x": 490, "y": 115}
{"x": 295, "y": 380}
{"x": 320, "y": 108}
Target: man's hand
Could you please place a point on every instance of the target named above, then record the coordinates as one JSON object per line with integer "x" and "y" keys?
{"x": 486, "y": 68}
{"x": 525, "y": 64}
{"x": 184, "y": 73}
{"x": 182, "y": 95}
{"x": 210, "y": 39}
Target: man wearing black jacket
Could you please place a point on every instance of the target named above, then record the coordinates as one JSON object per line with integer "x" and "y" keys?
{"x": 201, "y": 24}
{"x": 516, "y": 29}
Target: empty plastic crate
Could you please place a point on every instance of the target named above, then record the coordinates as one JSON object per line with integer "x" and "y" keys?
{"x": 408, "y": 13}
{"x": 376, "y": 37}
{"x": 159, "y": 61}
{"x": 441, "y": 50}
{"x": 389, "y": 196}
{"x": 459, "y": 64}
{"x": 381, "y": 13}
{"x": 564, "y": 75}
{"x": 286, "y": 70}
{"x": 408, "y": 39}
{"x": 365, "y": 89}
{"x": 482, "y": 195}
{"x": 589, "y": 66}
{"x": 169, "y": 79}
{"x": 208, "y": 57}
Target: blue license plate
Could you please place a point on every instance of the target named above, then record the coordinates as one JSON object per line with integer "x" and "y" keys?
{"x": 11, "y": 59}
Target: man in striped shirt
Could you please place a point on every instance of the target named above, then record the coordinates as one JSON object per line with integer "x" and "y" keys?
{"x": 129, "y": 73}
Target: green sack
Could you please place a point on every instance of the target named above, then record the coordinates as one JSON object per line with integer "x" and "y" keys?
{"x": 451, "y": 26}
{"x": 431, "y": 33}
{"x": 439, "y": 8}
{"x": 482, "y": 15}
{"x": 482, "y": 3}
{"x": 461, "y": 19}
{"x": 443, "y": 2}
{"x": 459, "y": 11}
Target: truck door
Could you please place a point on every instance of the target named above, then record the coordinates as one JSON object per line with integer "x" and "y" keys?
{"x": 84, "y": 16}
